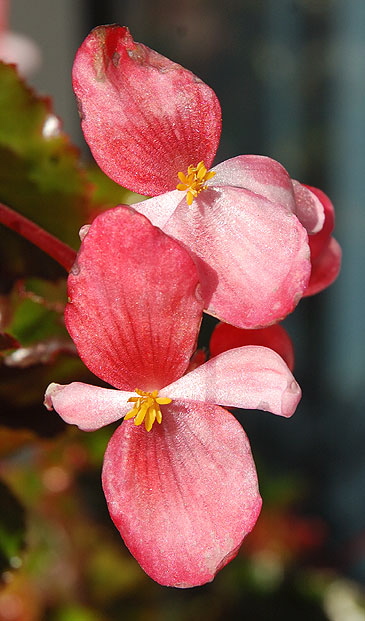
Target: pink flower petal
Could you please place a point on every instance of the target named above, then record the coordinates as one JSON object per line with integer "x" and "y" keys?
{"x": 252, "y": 255}
{"x": 325, "y": 251}
{"x": 184, "y": 495}
{"x": 268, "y": 178}
{"x": 250, "y": 377}
{"x": 259, "y": 174}
{"x": 18, "y": 49}
{"x": 225, "y": 337}
{"x": 309, "y": 209}
{"x": 88, "y": 407}
{"x": 134, "y": 313}
{"x": 319, "y": 241}
{"x": 144, "y": 117}
{"x": 159, "y": 209}
{"x": 325, "y": 268}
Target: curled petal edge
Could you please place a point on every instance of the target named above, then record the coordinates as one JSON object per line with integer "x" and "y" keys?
{"x": 325, "y": 268}
{"x": 88, "y": 407}
{"x": 249, "y": 377}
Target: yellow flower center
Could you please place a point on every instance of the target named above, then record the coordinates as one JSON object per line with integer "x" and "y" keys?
{"x": 146, "y": 408}
{"x": 194, "y": 181}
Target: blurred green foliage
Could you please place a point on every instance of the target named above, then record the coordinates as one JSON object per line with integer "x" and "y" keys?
{"x": 40, "y": 174}
{"x": 12, "y": 529}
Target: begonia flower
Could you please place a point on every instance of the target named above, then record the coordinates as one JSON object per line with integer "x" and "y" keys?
{"x": 154, "y": 127}
{"x": 178, "y": 474}
{"x": 225, "y": 337}
{"x": 326, "y": 252}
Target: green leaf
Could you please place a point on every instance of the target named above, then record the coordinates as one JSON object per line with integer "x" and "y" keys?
{"x": 40, "y": 174}
{"x": 75, "y": 612}
{"x": 12, "y": 529}
{"x": 106, "y": 193}
{"x": 33, "y": 322}
{"x": 35, "y": 311}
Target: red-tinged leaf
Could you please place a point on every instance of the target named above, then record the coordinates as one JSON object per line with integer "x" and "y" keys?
{"x": 42, "y": 352}
{"x": 40, "y": 173}
{"x": 7, "y": 341}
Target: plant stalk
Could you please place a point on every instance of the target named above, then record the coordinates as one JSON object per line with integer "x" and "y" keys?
{"x": 55, "y": 248}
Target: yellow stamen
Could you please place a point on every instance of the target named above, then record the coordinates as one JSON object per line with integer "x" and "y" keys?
{"x": 194, "y": 181}
{"x": 147, "y": 408}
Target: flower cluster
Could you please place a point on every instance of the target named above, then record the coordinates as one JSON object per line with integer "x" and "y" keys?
{"x": 178, "y": 474}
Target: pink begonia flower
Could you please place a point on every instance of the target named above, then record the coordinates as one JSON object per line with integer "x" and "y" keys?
{"x": 225, "y": 336}
{"x": 183, "y": 493}
{"x": 19, "y": 50}
{"x": 326, "y": 252}
{"x": 154, "y": 127}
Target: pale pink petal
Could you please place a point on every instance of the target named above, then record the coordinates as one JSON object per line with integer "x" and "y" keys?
{"x": 225, "y": 337}
{"x": 268, "y": 178}
{"x": 250, "y": 377}
{"x": 18, "y": 49}
{"x": 144, "y": 117}
{"x": 134, "y": 310}
{"x": 160, "y": 208}
{"x": 259, "y": 174}
{"x": 252, "y": 255}
{"x": 308, "y": 208}
{"x": 184, "y": 495}
{"x": 325, "y": 251}
{"x": 88, "y": 407}
{"x": 325, "y": 268}
{"x": 319, "y": 241}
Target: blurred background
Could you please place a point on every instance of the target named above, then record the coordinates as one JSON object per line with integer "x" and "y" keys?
{"x": 290, "y": 76}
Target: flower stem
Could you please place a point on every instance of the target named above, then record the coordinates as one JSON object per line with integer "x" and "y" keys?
{"x": 4, "y": 16}
{"x": 55, "y": 248}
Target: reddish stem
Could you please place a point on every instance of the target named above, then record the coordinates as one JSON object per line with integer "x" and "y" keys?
{"x": 55, "y": 248}
{"x": 4, "y": 16}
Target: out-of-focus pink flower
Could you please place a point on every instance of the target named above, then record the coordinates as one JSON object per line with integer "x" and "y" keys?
{"x": 326, "y": 252}
{"x": 183, "y": 493}
{"x": 153, "y": 127}
{"x": 17, "y": 48}
{"x": 275, "y": 337}
{"x": 20, "y": 50}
